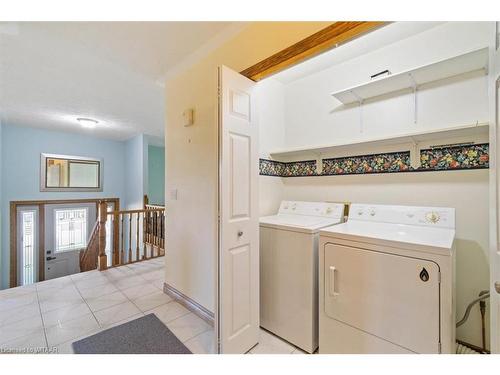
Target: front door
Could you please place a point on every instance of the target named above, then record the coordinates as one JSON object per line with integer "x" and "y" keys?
{"x": 238, "y": 256}
{"x": 67, "y": 229}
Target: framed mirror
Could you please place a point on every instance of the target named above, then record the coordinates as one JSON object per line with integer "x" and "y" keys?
{"x": 70, "y": 173}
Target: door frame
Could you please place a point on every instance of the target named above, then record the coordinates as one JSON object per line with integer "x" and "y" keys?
{"x": 494, "y": 115}
{"x": 41, "y": 228}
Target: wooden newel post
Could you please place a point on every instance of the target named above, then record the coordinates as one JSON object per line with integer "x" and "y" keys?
{"x": 103, "y": 214}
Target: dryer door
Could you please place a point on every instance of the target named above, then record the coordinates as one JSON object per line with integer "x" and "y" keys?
{"x": 393, "y": 297}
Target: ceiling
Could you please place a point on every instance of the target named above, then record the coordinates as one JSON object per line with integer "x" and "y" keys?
{"x": 53, "y": 72}
{"x": 377, "y": 39}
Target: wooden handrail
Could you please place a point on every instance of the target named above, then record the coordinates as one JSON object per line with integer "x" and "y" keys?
{"x": 121, "y": 212}
{"x": 88, "y": 256}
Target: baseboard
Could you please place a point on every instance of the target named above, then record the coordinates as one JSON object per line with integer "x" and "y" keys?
{"x": 189, "y": 304}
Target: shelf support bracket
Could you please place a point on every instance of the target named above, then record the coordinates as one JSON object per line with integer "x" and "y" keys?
{"x": 415, "y": 102}
{"x": 319, "y": 163}
{"x": 414, "y": 154}
{"x": 360, "y": 101}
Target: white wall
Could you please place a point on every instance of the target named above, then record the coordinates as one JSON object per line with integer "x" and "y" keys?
{"x": 313, "y": 117}
{"x": 271, "y": 117}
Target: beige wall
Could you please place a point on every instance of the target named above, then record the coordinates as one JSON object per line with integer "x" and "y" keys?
{"x": 191, "y": 154}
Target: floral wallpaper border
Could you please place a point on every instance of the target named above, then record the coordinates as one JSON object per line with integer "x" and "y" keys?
{"x": 432, "y": 159}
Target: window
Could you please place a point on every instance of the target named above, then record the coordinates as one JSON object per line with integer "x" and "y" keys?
{"x": 63, "y": 173}
{"x": 28, "y": 248}
{"x": 71, "y": 229}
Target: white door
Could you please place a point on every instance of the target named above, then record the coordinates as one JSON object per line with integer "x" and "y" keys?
{"x": 67, "y": 229}
{"x": 238, "y": 257}
{"x": 494, "y": 77}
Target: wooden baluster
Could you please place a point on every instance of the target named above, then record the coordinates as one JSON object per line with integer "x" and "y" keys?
{"x": 116, "y": 239}
{"x": 103, "y": 213}
{"x": 137, "y": 258}
{"x": 144, "y": 250}
{"x": 129, "y": 238}
{"x": 155, "y": 231}
{"x": 163, "y": 231}
{"x": 122, "y": 251}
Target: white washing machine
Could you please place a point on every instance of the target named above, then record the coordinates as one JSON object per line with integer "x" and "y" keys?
{"x": 289, "y": 269}
{"x": 387, "y": 281}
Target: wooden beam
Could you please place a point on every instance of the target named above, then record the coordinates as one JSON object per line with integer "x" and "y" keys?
{"x": 330, "y": 37}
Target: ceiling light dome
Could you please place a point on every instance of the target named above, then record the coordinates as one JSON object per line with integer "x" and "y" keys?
{"x": 87, "y": 122}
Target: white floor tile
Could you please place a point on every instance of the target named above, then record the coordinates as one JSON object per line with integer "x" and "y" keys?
{"x": 18, "y": 301}
{"x": 299, "y": 351}
{"x": 17, "y": 291}
{"x": 70, "y": 329}
{"x": 20, "y": 328}
{"x": 58, "y": 292}
{"x": 64, "y": 314}
{"x": 54, "y": 283}
{"x": 139, "y": 290}
{"x": 270, "y": 344}
{"x": 116, "y": 313}
{"x": 93, "y": 282}
{"x": 202, "y": 344}
{"x": 19, "y": 313}
{"x": 130, "y": 281}
{"x": 188, "y": 326}
{"x": 168, "y": 312}
{"x": 85, "y": 275}
{"x": 31, "y": 344}
{"x": 103, "y": 302}
{"x": 158, "y": 283}
{"x": 151, "y": 301}
{"x": 153, "y": 275}
{"x": 99, "y": 291}
{"x": 60, "y": 301}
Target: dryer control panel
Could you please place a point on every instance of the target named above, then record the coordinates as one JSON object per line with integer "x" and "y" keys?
{"x": 441, "y": 217}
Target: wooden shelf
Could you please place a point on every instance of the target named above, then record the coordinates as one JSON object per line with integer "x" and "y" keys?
{"x": 411, "y": 79}
{"x": 475, "y": 130}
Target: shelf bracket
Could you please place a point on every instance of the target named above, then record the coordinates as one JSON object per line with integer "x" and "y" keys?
{"x": 414, "y": 154}
{"x": 319, "y": 163}
{"x": 415, "y": 102}
{"x": 360, "y": 101}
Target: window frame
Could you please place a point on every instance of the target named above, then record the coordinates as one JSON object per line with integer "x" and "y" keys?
{"x": 69, "y": 158}
{"x": 86, "y": 225}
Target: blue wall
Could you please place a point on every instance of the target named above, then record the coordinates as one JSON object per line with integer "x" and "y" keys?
{"x": 20, "y": 150}
{"x": 156, "y": 175}
{"x": 136, "y": 160}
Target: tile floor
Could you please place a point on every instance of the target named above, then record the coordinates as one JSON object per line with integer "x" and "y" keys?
{"x": 49, "y": 316}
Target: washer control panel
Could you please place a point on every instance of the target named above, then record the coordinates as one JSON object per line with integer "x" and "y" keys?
{"x": 323, "y": 209}
{"x": 442, "y": 217}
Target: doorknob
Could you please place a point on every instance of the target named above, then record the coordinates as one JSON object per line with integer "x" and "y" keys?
{"x": 240, "y": 233}
{"x": 50, "y": 258}
{"x": 497, "y": 286}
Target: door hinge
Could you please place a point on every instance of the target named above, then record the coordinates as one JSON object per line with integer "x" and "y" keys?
{"x": 439, "y": 347}
{"x": 439, "y": 277}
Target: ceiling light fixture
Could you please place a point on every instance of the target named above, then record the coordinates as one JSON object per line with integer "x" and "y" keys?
{"x": 87, "y": 122}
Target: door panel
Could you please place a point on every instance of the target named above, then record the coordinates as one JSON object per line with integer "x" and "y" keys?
{"x": 392, "y": 297}
{"x": 63, "y": 263}
{"x": 238, "y": 256}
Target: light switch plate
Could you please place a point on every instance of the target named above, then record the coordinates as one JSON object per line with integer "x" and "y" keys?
{"x": 188, "y": 116}
{"x": 173, "y": 194}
